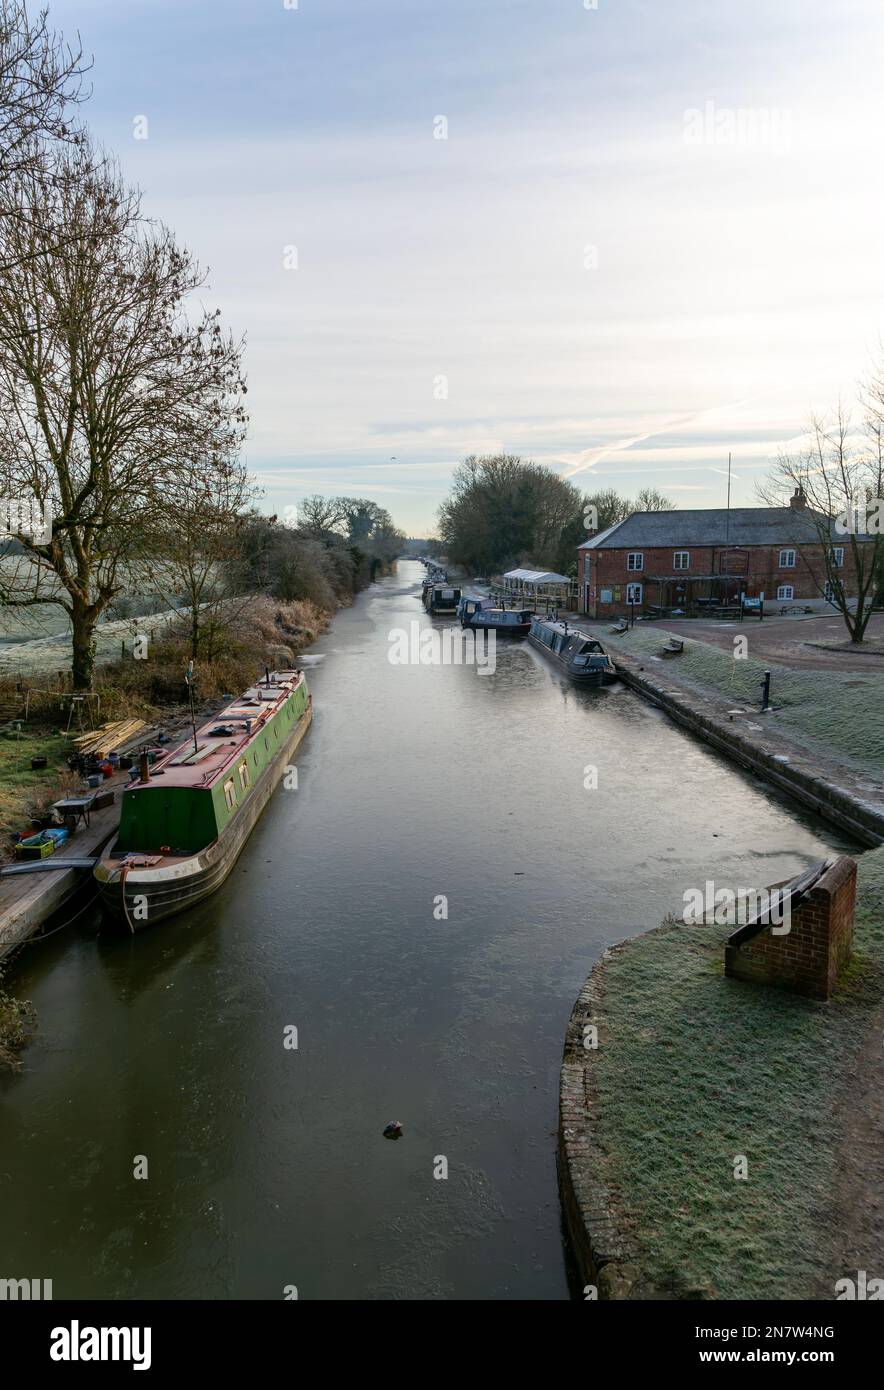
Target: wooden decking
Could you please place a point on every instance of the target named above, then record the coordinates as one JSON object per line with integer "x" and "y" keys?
{"x": 27, "y": 901}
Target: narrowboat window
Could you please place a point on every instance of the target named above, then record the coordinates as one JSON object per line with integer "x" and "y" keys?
{"x": 244, "y": 775}
{"x": 230, "y": 794}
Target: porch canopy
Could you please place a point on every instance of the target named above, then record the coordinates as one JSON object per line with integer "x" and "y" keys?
{"x": 543, "y": 587}
{"x": 694, "y": 593}
{"x": 535, "y": 578}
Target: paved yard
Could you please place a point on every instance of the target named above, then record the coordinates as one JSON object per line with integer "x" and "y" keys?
{"x": 794, "y": 642}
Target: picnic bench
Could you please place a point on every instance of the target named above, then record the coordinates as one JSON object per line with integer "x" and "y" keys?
{"x": 620, "y": 626}
{"x": 673, "y": 647}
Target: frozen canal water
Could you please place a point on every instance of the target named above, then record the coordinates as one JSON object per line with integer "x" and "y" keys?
{"x": 267, "y": 1166}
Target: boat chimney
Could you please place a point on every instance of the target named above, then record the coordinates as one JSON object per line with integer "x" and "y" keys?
{"x": 266, "y": 675}
{"x": 144, "y": 766}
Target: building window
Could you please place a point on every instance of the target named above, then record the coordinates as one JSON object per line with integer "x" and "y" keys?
{"x": 244, "y": 776}
{"x": 785, "y": 591}
{"x": 787, "y": 559}
{"x": 633, "y": 593}
{"x": 681, "y": 560}
{"x": 230, "y": 794}
{"x": 635, "y": 560}
{"x": 829, "y": 591}
{"x": 837, "y": 555}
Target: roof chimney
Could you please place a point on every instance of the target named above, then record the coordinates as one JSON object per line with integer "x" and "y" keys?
{"x": 798, "y": 501}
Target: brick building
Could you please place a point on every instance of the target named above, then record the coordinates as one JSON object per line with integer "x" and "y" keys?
{"x": 696, "y": 561}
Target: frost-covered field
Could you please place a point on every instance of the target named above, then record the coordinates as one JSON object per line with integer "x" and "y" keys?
{"x": 37, "y": 639}
{"x": 48, "y": 654}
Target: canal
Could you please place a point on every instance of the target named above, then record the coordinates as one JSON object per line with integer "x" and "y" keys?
{"x": 266, "y": 1164}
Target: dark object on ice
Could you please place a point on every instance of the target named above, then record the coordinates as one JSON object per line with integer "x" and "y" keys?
{"x": 393, "y": 1130}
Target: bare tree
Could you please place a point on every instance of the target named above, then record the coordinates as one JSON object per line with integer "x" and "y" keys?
{"x": 651, "y": 500}
{"x": 322, "y": 518}
{"x": 40, "y": 79}
{"x": 835, "y": 479}
{"x": 198, "y": 545}
{"x": 106, "y": 383}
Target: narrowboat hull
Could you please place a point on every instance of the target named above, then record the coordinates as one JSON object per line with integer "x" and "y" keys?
{"x": 581, "y": 658}
{"x": 140, "y": 894}
{"x": 477, "y": 620}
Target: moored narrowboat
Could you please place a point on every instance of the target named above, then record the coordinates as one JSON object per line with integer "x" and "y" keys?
{"x": 580, "y": 657}
{"x": 511, "y": 622}
{"x": 185, "y": 821}
{"x": 441, "y": 599}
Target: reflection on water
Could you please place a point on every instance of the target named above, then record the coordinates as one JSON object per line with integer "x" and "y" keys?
{"x": 267, "y": 1166}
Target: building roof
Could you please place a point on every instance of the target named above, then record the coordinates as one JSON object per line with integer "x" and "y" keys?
{"x": 741, "y": 526}
{"x": 537, "y": 577}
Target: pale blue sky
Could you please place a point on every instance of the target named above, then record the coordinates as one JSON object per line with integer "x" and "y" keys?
{"x": 736, "y": 282}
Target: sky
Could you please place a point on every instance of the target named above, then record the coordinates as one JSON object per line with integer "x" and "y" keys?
{"x": 621, "y": 241}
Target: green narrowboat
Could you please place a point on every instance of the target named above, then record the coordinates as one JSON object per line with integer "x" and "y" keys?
{"x": 185, "y": 821}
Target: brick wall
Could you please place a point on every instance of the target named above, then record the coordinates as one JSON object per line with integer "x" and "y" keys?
{"x": 608, "y": 569}
{"x": 809, "y": 957}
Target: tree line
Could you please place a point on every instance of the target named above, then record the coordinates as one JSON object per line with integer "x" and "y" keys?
{"x": 122, "y": 399}
{"x": 504, "y": 511}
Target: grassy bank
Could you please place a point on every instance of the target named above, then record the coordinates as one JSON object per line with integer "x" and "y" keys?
{"x": 17, "y": 1024}
{"x": 694, "y": 1069}
{"x": 841, "y": 714}
{"x": 24, "y": 792}
{"x": 262, "y": 632}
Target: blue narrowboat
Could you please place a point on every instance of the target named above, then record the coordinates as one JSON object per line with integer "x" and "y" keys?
{"x": 580, "y": 657}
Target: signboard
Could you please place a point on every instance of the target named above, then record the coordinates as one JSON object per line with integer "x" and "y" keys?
{"x": 605, "y": 596}
{"x": 734, "y": 561}
{"x": 617, "y": 592}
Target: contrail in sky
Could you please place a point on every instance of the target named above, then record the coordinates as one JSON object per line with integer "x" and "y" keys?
{"x": 590, "y": 457}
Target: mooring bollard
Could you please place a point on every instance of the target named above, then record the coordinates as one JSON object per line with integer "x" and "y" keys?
{"x": 765, "y": 698}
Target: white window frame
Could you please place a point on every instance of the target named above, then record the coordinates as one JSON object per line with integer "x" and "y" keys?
{"x": 787, "y": 564}
{"x": 829, "y": 592}
{"x": 837, "y": 554}
{"x": 783, "y": 596}
{"x": 230, "y": 793}
{"x": 634, "y": 593}
{"x": 681, "y": 555}
{"x": 635, "y": 561}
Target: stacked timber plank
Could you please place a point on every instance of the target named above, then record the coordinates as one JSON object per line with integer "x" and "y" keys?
{"x": 110, "y": 736}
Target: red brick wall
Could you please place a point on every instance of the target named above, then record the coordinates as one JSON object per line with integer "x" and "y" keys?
{"x": 606, "y": 569}
{"x": 809, "y": 957}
